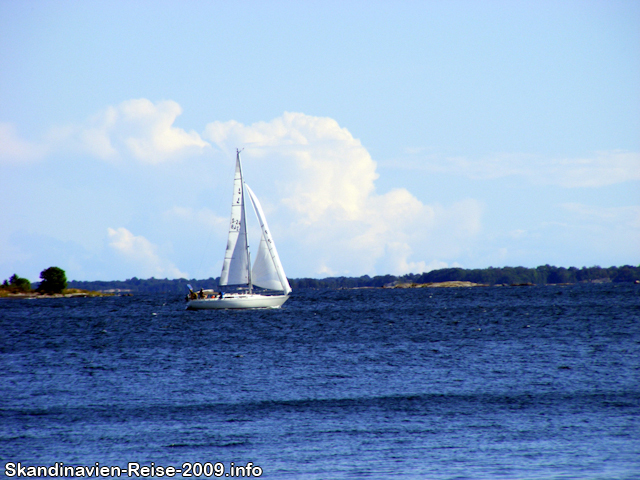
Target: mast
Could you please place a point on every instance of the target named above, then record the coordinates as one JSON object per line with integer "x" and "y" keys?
{"x": 244, "y": 217}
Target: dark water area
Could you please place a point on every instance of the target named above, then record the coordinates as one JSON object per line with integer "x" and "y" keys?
{"x": 466, "y": 383}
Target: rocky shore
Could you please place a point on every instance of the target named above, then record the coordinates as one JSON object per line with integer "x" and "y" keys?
{"x": 439, "y": 285}
{"x": 68, "y": 293}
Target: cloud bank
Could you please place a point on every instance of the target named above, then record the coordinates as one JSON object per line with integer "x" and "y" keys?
{"x": 317, "y": 184}
{"x": 138, "y": 129}
{"x": 326, "y": 190}
{"x": 141, "y": 254}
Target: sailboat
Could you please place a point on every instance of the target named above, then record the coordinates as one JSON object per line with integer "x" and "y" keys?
{"x": 267, "y": 272}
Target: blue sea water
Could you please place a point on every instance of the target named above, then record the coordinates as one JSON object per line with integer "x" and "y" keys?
{"x": 465, "y": 383}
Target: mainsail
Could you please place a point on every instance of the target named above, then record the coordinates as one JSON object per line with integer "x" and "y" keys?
{"x": 235, "y": 268}
{"x": 267, "y": 269}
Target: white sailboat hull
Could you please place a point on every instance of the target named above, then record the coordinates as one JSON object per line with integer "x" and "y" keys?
{"x": 234, "y": 300}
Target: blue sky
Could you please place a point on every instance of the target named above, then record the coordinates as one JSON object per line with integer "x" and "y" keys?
{"x": 381, "y": 137}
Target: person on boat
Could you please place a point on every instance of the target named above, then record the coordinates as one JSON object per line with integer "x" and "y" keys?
{"x": 201, "y": 293}
{"x": 191, "y": 295}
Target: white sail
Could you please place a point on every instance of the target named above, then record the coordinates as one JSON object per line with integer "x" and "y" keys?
{"x": 263, "y": 273}
{"x": 267, "y": 269}
{"x": 235, "y": 268}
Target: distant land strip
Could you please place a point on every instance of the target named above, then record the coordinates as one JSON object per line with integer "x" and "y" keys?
{"x": 508, "y": 276}
{"x": 67, "y": 293}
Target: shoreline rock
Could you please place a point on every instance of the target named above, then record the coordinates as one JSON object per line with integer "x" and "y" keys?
{"x": 454, "y": 284}
{"x": 69, "y": 293}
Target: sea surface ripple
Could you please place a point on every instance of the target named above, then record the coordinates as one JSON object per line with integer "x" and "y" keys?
{"x": 473, "y": 383}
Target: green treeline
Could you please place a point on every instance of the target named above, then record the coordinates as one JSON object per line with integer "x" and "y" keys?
{"x": 16, "y": 284}
{"x": 542, "y": 275}
{"x": 54, "y": 280}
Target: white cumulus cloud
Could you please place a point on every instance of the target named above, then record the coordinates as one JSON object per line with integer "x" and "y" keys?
{"x": 325, "y": 198}
{"x": 138, "y": 129}
{"x": 142, "y": 254}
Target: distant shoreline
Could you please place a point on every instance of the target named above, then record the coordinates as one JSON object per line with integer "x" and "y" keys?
{"x": 500, "y": 276}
